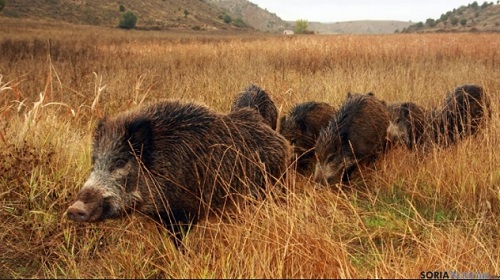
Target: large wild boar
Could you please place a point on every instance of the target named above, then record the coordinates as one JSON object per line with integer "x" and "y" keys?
{"x": 355, "y": 136}
{"x": 407, "y": 124}
{"x": 256, "y": 98}
{"x": 301, "y": 126}
{"x": 465, "y": 109}
{"x": 178, "y": 163}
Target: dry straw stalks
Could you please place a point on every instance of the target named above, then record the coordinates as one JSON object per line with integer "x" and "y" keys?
{"x": 412, "y": 213}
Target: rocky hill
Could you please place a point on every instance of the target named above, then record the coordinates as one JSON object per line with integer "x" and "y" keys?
{"x": 151, "y": 14}
{"x": 470, "y": 18}
{"x": 253, "y": 15}
{"x": 235, "y": 15}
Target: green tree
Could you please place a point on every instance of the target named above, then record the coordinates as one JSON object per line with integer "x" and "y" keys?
{"x": 454, "y": 21}
{"x": 186, "y": 13}
{"x": 2, "y": 4}
{"x": 300, "y": 26}
{"x": 128, "y": 21}
{"x": 227, "y": 18}
{"x": 419, "y": 25}
{"x": 430, "y": 22}
{"x": 122, "y": 8}
{"x": 463, "y": 21}
{"x": 444, "y": 17}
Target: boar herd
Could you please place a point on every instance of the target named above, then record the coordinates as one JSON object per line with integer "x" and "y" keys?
{"x": 180, "y": 162}
{"x": 463, "y": 113}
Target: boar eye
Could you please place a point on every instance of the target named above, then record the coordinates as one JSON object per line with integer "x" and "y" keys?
{"x": 119, "y": 163}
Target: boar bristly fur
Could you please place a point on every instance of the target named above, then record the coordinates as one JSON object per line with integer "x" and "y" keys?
{"x": 301, "y": 127}
{"x": 407, "y": 124}
{"x": 178, "y": 163}
{"x": 258, "y": 99}
{"x": 355, "y": 136}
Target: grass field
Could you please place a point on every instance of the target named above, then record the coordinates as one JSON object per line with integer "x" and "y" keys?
{"x": 438, "y": 212}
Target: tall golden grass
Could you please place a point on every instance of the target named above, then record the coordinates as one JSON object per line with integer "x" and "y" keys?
{"x": 411, "y": 214}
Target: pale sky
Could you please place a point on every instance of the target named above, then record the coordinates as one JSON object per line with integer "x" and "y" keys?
{"x": 347, "y": 10}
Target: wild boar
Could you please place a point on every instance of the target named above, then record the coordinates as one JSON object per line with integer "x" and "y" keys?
{"x": 355, "y": 136}
{"x": 178, "y": 163}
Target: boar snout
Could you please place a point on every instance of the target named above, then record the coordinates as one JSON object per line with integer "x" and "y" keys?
{"x": 320, "y": 177}
{"x": 88, "y": 207}
{"x": 78, "y": 212}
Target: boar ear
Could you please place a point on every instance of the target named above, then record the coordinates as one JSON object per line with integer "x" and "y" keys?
{"x": 282, "y": 121}
{"x": 101, "y": 123}
{"x": 139, "y": 134}
{"x": 99, "y": 128}
{"x": 405, "y": 108}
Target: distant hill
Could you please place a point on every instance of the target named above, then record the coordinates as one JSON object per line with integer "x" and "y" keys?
{"x": 358, "y": 27}
{"x": 151, "y": 14}
{"x": 253, "y": 15}
{"x": 470, "y": 18}
{"x": 268, "y": 21}
{"x": 235, "y": 15}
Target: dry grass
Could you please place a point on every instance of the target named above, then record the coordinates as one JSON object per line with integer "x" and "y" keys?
{"x": 437, "y": 212}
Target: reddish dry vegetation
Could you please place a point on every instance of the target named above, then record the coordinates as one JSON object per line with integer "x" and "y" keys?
{"x": 409, "y": 213}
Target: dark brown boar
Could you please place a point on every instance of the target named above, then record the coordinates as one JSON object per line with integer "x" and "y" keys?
{"x": 355, "y": 136}
{"x": 301, "y": 127}
{"x": 464, "y": 112}
{"x": 407, "y": 124}
{"x": 465, "y": 109}
{"x": 258, "y": 99}
{"x": 178, "y": 163}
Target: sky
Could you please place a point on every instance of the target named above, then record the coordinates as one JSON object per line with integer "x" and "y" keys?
{"x": 347, "y": 10}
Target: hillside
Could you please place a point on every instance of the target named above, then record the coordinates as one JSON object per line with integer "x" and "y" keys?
{"x": 470, "y": 18}
{"x": 157, "y": 15}
{"x": 236, "y": 15}
{"x": 182, "y": 14}
{"x": 358, "y": 27}
{"x": 253, "y": 15}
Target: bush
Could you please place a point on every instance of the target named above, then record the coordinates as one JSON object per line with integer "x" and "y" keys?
{"x": 240, "y": 23}
{"x": 445, "y": 17}
{"x": 227, "y": 18}
{"x": 463, "y": 21}
{"x": 430, "y": 22}
{"x": 122, "y": 8}
{"x": 419, "y": 25}
{"x": 128, "y": 21}
{"x": 486, "y": 5}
